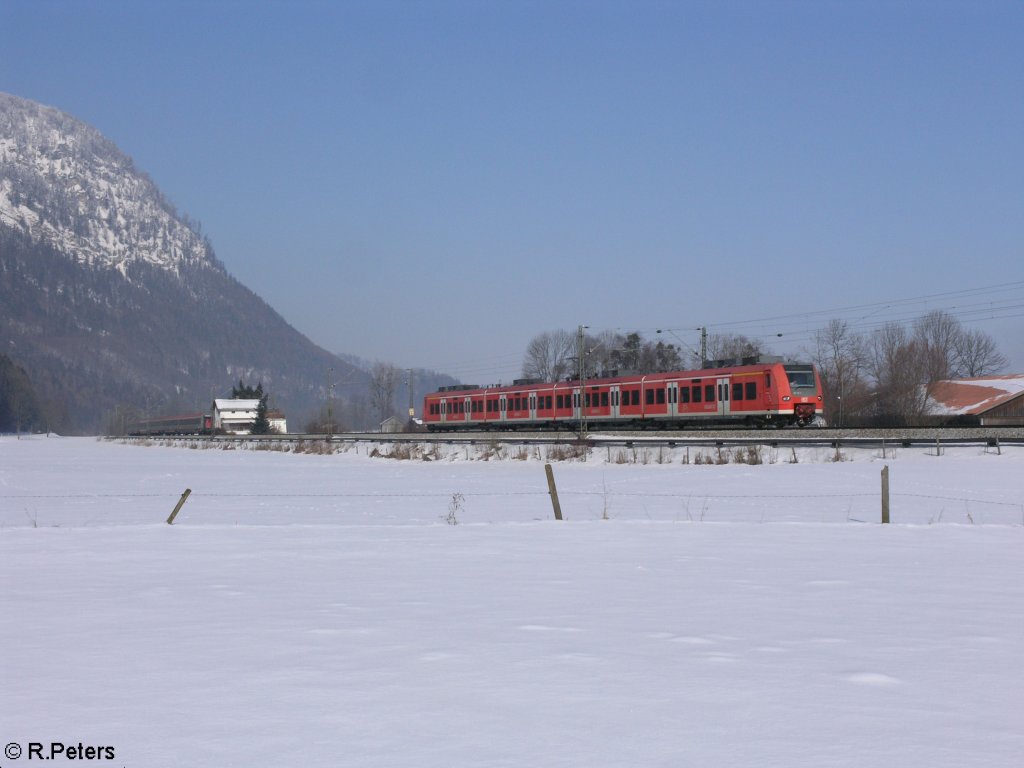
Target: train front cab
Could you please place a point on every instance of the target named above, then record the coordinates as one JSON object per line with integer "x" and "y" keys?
{"x": 804, "y": 400}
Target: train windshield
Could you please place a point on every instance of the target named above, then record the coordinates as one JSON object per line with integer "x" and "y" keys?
{"x": 800, "y": 377}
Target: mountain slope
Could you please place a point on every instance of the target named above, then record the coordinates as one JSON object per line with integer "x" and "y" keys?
{"x": 111, "y": 300}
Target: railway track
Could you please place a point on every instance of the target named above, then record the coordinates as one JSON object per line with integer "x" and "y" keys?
{"x": 990, "y": 436}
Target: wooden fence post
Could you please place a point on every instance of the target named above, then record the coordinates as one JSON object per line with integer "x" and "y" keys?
{"x": 177, "y": 507}
{"x": 885, "y": 494}
{"x": 553, "y": 491}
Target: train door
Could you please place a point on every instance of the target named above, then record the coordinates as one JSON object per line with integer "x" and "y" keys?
{"x": 577, "y": 404}
{"x": 502, "y": 408}
{"x": 614, "y": 396}
{"x": 673, "y": 399}
{"x": 467, "y": 405}
{"x": 724, "y": 408}
{"x": 533, "y": 406}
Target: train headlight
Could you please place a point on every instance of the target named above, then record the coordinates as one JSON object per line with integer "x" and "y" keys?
{"x": 786, "y": 398}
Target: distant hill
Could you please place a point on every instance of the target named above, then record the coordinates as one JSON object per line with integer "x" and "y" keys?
{"x": 111, "y": 301}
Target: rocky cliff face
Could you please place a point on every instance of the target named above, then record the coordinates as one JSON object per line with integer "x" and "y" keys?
{"x": 113, "y": 301}
{"x": 64, "y": 185}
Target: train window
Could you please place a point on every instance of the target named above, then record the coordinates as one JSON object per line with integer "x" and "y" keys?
{"x": 767, "y": 381}
{"x": 684, "y": 395}
{"x": 660, "y": 396}
{"x": 604, "y": 399}
{"x": 737, "y": 391}
{"x": 751, "y": 390}
{"x": 709, "y": 393}
{"x": 636, "y": 397}
{"x": 649, "y": 396}
{"x": 696, "y": 394}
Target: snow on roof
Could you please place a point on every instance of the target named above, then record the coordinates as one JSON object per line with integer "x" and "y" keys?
{"x": 974, "y": 396}
{"x": 236, "y": 405}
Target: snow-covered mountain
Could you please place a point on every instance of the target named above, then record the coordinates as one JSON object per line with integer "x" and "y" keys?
{"x": 67, "y": 186}
{"x": 110, "y": 300}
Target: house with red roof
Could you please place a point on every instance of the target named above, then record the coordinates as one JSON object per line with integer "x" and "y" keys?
{"x": 991, "y": 400}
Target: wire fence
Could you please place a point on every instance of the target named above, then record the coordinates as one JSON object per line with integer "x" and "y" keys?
{"x": 398, "y": 507}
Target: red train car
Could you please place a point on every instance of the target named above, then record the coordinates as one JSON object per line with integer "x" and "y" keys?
{"x": 756, "y": 394}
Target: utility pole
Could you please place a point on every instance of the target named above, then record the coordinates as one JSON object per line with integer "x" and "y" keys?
{"x": 703, "y": 346}
{"x": 412, "y": 409}
{"x": 582, "y": 356}
{"x": 330, "y": 404}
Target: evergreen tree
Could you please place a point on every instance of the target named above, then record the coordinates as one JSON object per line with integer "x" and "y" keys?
{"x": 20, "y": 408}
{"x": 262, "y": 424}
{"x": 247, "y": 392}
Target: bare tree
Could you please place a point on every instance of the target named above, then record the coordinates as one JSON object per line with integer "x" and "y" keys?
{"x": 667, "y": 357}
{"x": 729, "y": 346}
{"x": 976, "y": 355}
{"x": 899, "y": 366}
{"x": 937, "y": 335}
{"x": 840, "y": 356}
{"x": 383, "y": 380}
{"x": 550, "y": 356}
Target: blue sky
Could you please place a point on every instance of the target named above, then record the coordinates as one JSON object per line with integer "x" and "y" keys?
{"x": 434, "y": 183}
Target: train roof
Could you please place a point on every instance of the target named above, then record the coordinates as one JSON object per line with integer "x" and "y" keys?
{"x": 747, "y": 365}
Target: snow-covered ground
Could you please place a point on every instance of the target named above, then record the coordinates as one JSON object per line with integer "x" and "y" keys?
{"x": 311, "y": 610}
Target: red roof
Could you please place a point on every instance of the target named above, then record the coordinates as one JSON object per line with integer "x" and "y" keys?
{"x": 975, "y": 396}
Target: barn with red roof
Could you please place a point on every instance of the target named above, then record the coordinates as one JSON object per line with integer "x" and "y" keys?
{"x": 992, "y": 400}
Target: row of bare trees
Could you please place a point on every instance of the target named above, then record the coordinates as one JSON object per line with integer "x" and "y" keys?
{"x": 879, "y": 378}
{"x": 555, "y": 355}
{"x": 886, "y": 377}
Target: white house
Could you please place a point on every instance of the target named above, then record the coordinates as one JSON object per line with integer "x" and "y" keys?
{"x": 278, "y": 423}
{"x": 235, "y": 417}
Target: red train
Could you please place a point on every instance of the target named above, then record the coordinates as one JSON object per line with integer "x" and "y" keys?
{"x": 753, "y": 394}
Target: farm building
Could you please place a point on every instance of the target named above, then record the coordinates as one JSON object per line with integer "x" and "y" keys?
{"x": 392, "y": 424}
{"x": 278, "y": 423}
{"x": 235, "y": 417}
{"x": 991, "y": 400}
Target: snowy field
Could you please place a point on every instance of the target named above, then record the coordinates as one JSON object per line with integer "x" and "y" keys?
{"x": 321, "y": 610}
